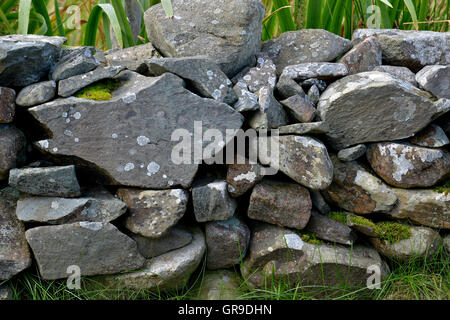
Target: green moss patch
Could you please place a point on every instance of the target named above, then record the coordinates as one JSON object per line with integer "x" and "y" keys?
{"x": 310, "y": 238}
{"x": 392, "y": 232}
{"x": 101, "y": 90}
{"x": 338, "y": 216}
{"x": 360, "y": 221}
{"x": 445, "y": 188}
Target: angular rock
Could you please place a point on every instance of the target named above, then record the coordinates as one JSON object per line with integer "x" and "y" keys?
{"x": 363, "y": 57}
{"x": 168, "y": 271}
{"x": 286, "y": 88}
{"x": 309, "y": 45}
{"x": 426, "y": 207}
{"x": 330, "y": 230}
{"x": 69, "y": 86}
{"x": 226, "y": 243}
{"x": 242, "y": 177}
{"x": 95, "y": 247}
{"x": 5, "y": 293}
{"x": 270, "y": 115}
{"x": 97, "y": 205}
{"x": 435, "y": 79}
{"x": 356, "y": 190}
{"x": 300, "y": 109}
{"x": 12, "y": 148}
{"x": 407, "y": 166}
{"x": 73, "y": 63}
{"x": 318, "y": 70}
{"x": 407, "y": 48}
{"x": 313, "y": 95}
{"x": 352, "y": 153}
{"x": 303, "y": 159}
{"x": 175, "y": 238}
{"x": 128, "y": 138}
{"x": 14, "y": 252}
{"x": 304, "y": 128}
{"x": 366, "y": 229}
{"x": 320, "y": 84}
{"x": 132, "y": 58}
{"x": 228, "y": 32}
{"x": 401, "y": 73}
{"x": 205, "y": 76}
{"x": 263, "y": 75}
{"x": 49, "y": 181}
{"x": 153, "y": 212}
{"x": 212, "y": 201}
{"x": 423, "y": 242}
{"x": 432, "y": 137}
{"x": 319, "y": 202}
{"x": 247, "y": 101}
{"x": 283, "y": 204}
{"x": 353, "y": 106}
{"x": 7, "y": 105}
{"x": 36, "y": 93}
{"x": 26, "y": 59}
{"x": 220, "y": 285}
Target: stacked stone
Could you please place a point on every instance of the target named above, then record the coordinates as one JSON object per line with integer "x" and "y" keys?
{"x": 363, "y": 131}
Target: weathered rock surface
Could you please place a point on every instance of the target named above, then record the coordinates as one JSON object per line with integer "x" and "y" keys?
{"x": 242, "y": 177}
{"x": 153, "y": 212}
{"x": 227, "y": 243}
{"x": 303, "y": 159}
{"x": 319, "y": 202}
{"x": 422, "y": 243}
{"x": 287, "y": 87}
{"x": 69, "y": 86}
{"x": 132, "y": 58}
{"x": 5, "y": 293}
{"x": 352, "y": 153}
{"x": 356, "y": 190}
{"x": 270, "y": 115}
{"x": 320, "y": 84}
{"x": 299, "y": 108}
{"x": 304, "y": 128}
{"x": 96, "y": 205}
{"x": 353, "y": 106}
{"x": 363, "y": 57}
{"x": 263, "y": 75}
{"x": 47, "y": 181}
{"x": 401, "y": 73}
{"x": 283, "y": 204}
{"x": 36, "y": 93}
{"x": 426, "y": 207}
{"x": 220, "y": 285}
{"x": 12, "y": 148}
{"x": 212, "y": 201}
{"x": 74, "y": 62}
{"x": 432, "y": 137}
{"x": 435, "y": 79}
{"x": 247, "y": 101}
{"x": 205, "y": 76}
{"x": 364, "y": 228}
{"x": 318, "y": 70}
{"x": 14, "y": 252}
{"x": 407, "y": 166}
{"x": 313, "y": 95}
{"x": 411, "y": 49}
{"x": 96, "y": 247}
{"x": 302, "y": 46}
{"x": 330, "y": 230}
{"x": 165, "y": 272}
{"x": 26, "y": 59}
{"x": 7, "y": 105}
{"x": 175, "y": 238}
{"x": 228, "y": 32}
{"x": 129, "y": 137}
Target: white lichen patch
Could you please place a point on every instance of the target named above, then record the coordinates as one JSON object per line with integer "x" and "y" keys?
{"x": 250, "y": 176}
{"x": 43, "y": 144}
{"x": 129, "y": 98}
{"x": 128, "y": 167}
{"x": 54, "y": 205}
{"x": 293, "y": 241}
{"x": 152, "y": 168}
{"x": 94, "y": 226}
{"x": 142, "y": 140}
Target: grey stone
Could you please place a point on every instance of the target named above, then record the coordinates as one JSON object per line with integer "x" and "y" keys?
{"x": 132, "y": 58}
{"x": 435, "y": 79}
{"x": 308, "y": 45}
{"x": 279, "y": 203}
{"x": 318, "y": 70}
{"x": 313, "y": 95}
{"x": 270, "y": 115}
{"x": 286, "y": 87}
{"x": 364, "y": 228}
{"x": 12, "y": 148}
{"x": 247, "y": 101}
{"x": 36, "y": 93}
{"x": 330, "y": 230}
{"x": 49, "y": 181}
{"x": 319, "y": 202}
{"x": 263, "y": 75}
{"x": 73, "y": 63}
{"x": 96, "y": 205}
{"x": 7, "y": 105}
{"x": 304, "y": 128}
{"x": 407, "y": 166}
{"x": 401, "y": 73}
{"x": 168, "y": 271}
{"x": 353, "y": 106}
{"x": 220, "y": 285}
{"x": 5, "y": 293}
{"x": 26, "y": 59}
{"x": 226, "y": 243}
{"x": 242, "y": 176}
{"x": 14, "y": 253}
{"x": 128, "y": 138}
{"x": 95, "y": 247}
{"x": 365, "y": 56}
{"x": 228, "y": 32}
{"x": 320, "y": 84}
{"x": 432, "y": 137}
{"x": 356, "y": 190}
{"x": 408, "y": 48}
{"x": 69, "y": 86}
{"x": 175, "y": 238}
{"x": 352, "y": 153}
{"x": 153, "y": 212}
{"x": 212, "y": 201}
{"x": 299, "y": 108}
{"x": 205, "y": 76}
